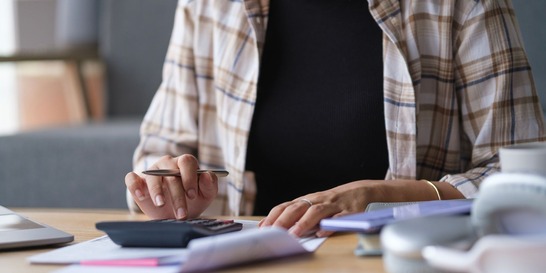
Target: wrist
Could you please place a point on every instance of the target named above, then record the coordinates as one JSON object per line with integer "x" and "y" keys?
{"x": 434, "y": 187}
{"x": 448, "y": 191}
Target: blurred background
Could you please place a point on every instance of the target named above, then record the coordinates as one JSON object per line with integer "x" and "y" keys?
{"x": 54, "y": 56}
{"x": 76, "y": 77}
{"x": 39, "y": 93}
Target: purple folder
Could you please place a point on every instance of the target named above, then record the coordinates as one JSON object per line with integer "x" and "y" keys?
{"x": 372, "y": 221}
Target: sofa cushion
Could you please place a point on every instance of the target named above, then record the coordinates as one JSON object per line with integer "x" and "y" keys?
{"x": 78, "y": 166}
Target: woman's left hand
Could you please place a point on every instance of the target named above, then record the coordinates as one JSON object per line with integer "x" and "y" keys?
{"x": 303, "y": 214}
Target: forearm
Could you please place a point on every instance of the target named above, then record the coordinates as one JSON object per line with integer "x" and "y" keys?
{"x": 403, "y": 190}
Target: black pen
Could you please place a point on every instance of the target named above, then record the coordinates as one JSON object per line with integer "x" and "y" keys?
{"x": 166, "y": 172}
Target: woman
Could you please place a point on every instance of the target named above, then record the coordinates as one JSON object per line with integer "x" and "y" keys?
{"x": 290, "y": 97}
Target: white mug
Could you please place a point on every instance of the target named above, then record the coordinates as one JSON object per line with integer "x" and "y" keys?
{"x": 524, "y": 158}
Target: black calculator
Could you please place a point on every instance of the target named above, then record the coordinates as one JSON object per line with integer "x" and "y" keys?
{"x": 166, "y": 232}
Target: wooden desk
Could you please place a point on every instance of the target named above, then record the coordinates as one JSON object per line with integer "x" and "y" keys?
{"x": 335, "y": 255}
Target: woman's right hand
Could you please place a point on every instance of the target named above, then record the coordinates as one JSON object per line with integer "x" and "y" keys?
{"x": 162, "y": 197}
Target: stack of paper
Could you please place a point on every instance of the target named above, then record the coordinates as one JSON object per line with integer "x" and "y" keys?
{"x": 250, "y": 244}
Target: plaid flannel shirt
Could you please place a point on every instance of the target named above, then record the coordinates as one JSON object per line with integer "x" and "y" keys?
{"x": 457, "y": 86}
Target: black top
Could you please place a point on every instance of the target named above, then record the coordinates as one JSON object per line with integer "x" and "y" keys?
{"x": 319, "y": 120}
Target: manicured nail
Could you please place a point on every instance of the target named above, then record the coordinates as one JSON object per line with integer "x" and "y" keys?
{"x": 295, "y": 230}
{"x": 180, "y": 213}
{"x": 322, "y": 233}
{"x": 139, "y": 195}
{"x": 191, "y": 194}
{"x": 159, "y": 200}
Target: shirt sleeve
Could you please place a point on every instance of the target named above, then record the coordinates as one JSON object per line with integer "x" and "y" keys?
{"x": 499, "y": 105}
{"x": 170, "y": 124}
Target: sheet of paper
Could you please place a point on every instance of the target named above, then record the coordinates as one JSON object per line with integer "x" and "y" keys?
{"x": 102, "y": 248}
{"x": 250, "y": 244}
{"x": 118, "y": 269}
{"x": 259, "y": 244}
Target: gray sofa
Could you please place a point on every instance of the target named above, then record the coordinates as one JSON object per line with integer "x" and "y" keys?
{"x": 84, "y": 166}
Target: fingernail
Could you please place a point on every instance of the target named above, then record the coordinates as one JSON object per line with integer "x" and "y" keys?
{"x": 139, "y": 195}
{"x": 322, "y": 233}
{"x": 191, "y": 194}
{"x": 261, "y": 222}
{"x": 295, "y": 230}
{"x": 159, "y": 200}
{"x": 180, "y": 213}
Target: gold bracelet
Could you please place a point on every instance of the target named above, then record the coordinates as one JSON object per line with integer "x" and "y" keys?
{"x": 435, "y": 188}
